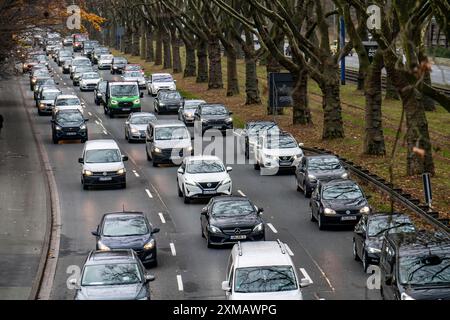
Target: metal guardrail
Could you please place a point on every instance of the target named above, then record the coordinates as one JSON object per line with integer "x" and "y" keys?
{"x": 401, "y": 197}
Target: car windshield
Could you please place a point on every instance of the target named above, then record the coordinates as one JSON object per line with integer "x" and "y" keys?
{"x": 91, "y": 76}
{"x": 81, "y": 70}
{"x": 125, "y": 90}
{"x": 265, "y": 279}
{"x": 163, "y": 79}
{"x": 280, "y": 142}
{"x": 425, "y": 270}
{"x": 120, "y": 61}
{"x": 140, "y": 120}
{"x": 171, "y": 133}
{"x": 170, "y": 95}
{"x": 132, "y": 74}
{"x": 107, "y": 57}
{"x": 232, "y": 208}
{"x": 342, "y": 192}
{"x": 69, "y": 117}
{"x": 111, "y": 274}
{"x": 103, "y": 156}
{"x": 50, "y": 95}
{"x": 68, "y": 102}
{"x": 79, "y": 63}
{"x": 378, "y": 226}
{"x": 124, "y": 226}
{"x": 65, "y": 54}
{"x": 256, "y": 128}
{"x": 214, "y": 110}
{"x": 205, "y": 166}
{"x": 192, "y": 104}
{"x": 324, "y": 164}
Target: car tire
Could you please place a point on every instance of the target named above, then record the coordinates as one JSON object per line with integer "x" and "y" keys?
{"x": 321, "y": 222}
{"x": 123, "y": 185}
{"x": 180, "y": 193}
{"x": 208, "y": 243}
{"x": 40, "y": 113}
{"x": 55, "y": 140}
{"x": 84, "y": 140}
{"x": 355, "y": 253}
{"x": 187, "y": 200}
{"x": 203, "y": 234}
{"x": 364, "y": 260}
{"x": 155, "y": 164}
{"x": 257, "y": 166}
{"x": 111, "y": 115}
{"x": 306, "y": 192}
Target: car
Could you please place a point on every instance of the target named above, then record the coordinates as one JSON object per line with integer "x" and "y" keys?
{"x": 38, "y": 73}
{"x": 203, "y": 177}
{"x": 118, "y": 65}
{"x": 136, "y": 125}
{"x": 63, "y": 55}
{"x": 79, "y": 62}
{"x": 187, "y": 112}
{"x": 88, "y": 48}
{"x": 134, "y": 67}
{"x": 319, "y": 167}
{"x": 160, "y": 81}
{"x": 262, "y": 270}
{"x": 135, "y": 76}
{"x": 68, "y": 41}
{"x": 66, "y": 66}
{"x": 100, "y": 92}
{"x": 69, "y": 125}
{"x": 214, "y": 117}
{"x": 167, "y": 101}
{"x": 105, "y": 61}
{"x": 79, "y": 71}
{"x": 415, "y": 266}
{"x": 43, "y": 83}
{"x": 167, "y": 141}
{"x": 227, "y": 220}
{"x": 338, "y": 202}
{"x": 122, "y": 98}
{"x": 89, "y": 81}
{"x": 128, "y": 230}
{"x": 68, "y": 102}
{"x": 46, "y": 100}
{"x": 277, "y": 151}
{"x": 78, "y": 40}
{"x": 370, "y": 231}
{"x": 102, "y": 164}
{"x": 27, "y": 65}
{"x": 251, "y": 132}
{"x": 113, "y": 275}
{"x": 98, "y": 52}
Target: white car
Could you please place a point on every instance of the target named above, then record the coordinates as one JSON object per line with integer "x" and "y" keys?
{"x": 102, "y": 163}
{"x": 263, "y": 270}
{"x": 160, "y": 81}
{"x": 105, "y": 61}
{"x": 68, "y": 102}
{"x": 135, "y": 76}
{"x": 89, "y": 81}
{"x": 277, "y": 151}
{"x": 203, "y": 177}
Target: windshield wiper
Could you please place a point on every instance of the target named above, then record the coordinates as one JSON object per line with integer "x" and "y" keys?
{"x": 393, "y": 227}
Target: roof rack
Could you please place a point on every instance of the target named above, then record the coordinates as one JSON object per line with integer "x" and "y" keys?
{"x": 239, "y": 248}
{"x": 280, "y": 244}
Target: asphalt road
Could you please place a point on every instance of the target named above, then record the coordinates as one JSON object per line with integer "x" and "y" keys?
{"x": 187, "y": 268}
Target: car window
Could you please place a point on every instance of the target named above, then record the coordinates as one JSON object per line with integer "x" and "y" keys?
{"x": 124, "y": 90}
{"x": 171, "y": 133}
{"x": 170, "y": 95}
{"x": 204, "y": 166}
{"x": 124, "y": 226}
{"x": 140, "y": 120}
{"x": 50, "y": 95}
{"x": 90, "y": 76}
{"x": 324, "y": 164}
{"x": 265, "y": 279}
{"x": 280, "y": 142}
{"x": 68, "y": 102}
{"x": 103, "y": 156}
{"x": 69, "y": 117}
{"x": 342, "y": 192}
{"x": 232, "y": 208}
{"x": 162, "y": 78}
{"x": 214, "y": 110}
{"x": 425, "y": 270}
{"x": 385, "y": 224}
{"x": 111, "y": 274}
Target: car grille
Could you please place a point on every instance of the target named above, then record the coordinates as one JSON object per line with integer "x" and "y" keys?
{"x": 163, "y": 88}
{"x": 286, "y": 159}
{"x": 238, "y": 231}
{"x": 102, "y": 174}
{"x": 347, "y": 212}
{"x": 209, "y": 185}
{"x": 171, "y": 152}
{"x": 125, "y": 104}
{"x": 216, "y": 122}
{"x": 72, "y": 129}
{"x": 91, "y": 85}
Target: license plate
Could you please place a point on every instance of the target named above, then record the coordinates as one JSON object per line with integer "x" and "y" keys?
{"x": 126, "y": 109}
{"x": 286, "y": 164}
{"x": 209, "y": 192}
{"x": 105, "y": 179}
{"x": 71, "y": 133}
{"x": 238, "y": 237}
{"x": 351, "y": 218}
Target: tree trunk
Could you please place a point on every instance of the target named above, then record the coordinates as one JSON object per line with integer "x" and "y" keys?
{"x": 301, "y": 112}
{"x": 391, "y": 91}
{"x": 232, "y": 74}
{"x": 127, "y": 41}
{"x": 251, "y": 81}
{"x": 202, "y": 67}
{"x": 177, "y": 67}
{"x": 428, "y": 103}
{"x": 112, "y": 36}
{"x": 149, "y": 50}
{"x": 190, "y": 68}
{"x": 142, "y": 44}
{"x": 167, "y": 51}
{"x": 134, "y": 43}
{"x": 158, "y": 53}
{"x": 361, "y": 76}
{"x": 215, "y": 64}
{"x": 374, "y": 143}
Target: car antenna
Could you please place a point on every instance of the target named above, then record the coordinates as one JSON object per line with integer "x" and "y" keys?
{"x": 123, "y": 208}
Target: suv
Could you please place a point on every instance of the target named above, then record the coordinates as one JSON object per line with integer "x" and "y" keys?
{"x": 113, "y": 275}
{"x": 262, "y": 270}
{"x": 79, "y": 62}
{"x": 122, "y": 98}
{"x": 167, "y": 101}
{"x": 118, "y": 65}
{"x": 167, "y": 141}
{"x": 415, "y": 266}
{"x": 46, "y": 100}
{"x": 68, "y": 102}
{"x": 102, "y": 164}
{"x": 160, "y": 81}
{"x": 69, "y": 125}
{"x": 214, "y": 116}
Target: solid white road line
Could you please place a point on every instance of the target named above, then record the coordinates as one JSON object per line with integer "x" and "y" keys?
{"x": 180, "y": 283}
{"x": 241, "y": 193}
{"x": 172, "y": 249}
{"x": 161, "y": 216}
{"x": 272, "y": 228}
{"x": 289, "y": 250}
{"x": 306, "y": 275}
{"x": 149, "y": 193}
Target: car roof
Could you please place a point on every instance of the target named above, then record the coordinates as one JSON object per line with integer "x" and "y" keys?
{"x": 204, "y": 158}
{"x": 67, "y": 96}
{"x": 168, "y": 123}
{"x": 121, "y": 83}
{"x": 101, "y": 144}
{"x": 384, "y": 215}
{"x": 213, "y": 105}
{"x": 123, "y": 214}
{"x": 142, "y": 114}
{"x": 161, "y": 74}
{"x": 114, "y": 256}
{"x": 261, "y": 253}
{"x": 420, "y": 242}
{"x": 322, "y": 156}
{"x": 230, "y": 198}
{"x": 260, "y": 122}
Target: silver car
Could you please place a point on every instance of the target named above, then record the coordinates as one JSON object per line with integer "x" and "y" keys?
{"x": 187, "y": 112}
{"x": 137, "y": 124}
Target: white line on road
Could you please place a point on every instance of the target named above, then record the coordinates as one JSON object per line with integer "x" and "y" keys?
{"x": 237, "y": 134}
{"x": 241, "y": 193}
{"x": 65, "y": 84}
{"x": 90, "y": 114}
{"x": 172, "y": 248}
{"x": 149, "y": 193}
{"x": 306, "y": 275}
{"x": 136, "y": 174}
{"x": 161, "y": 216}
{"x": 105, "y": 132}
{"x": 272, "y": 228}
{"x": 180, "y": 282}
{"x": 289, "y": 250}
{"x": 97, "y": 122}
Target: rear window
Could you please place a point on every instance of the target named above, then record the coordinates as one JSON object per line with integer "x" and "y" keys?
{"x": 265, "y": 279}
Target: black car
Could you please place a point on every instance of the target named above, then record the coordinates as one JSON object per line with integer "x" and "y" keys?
{"x": 128, "y": 230}
{"x": 214, "y": 116}
{"x": 338, "y": 202}
{"x": 314, "y": 168}
{"x": 100, "y": 92}
{"x": 228, "y": 220}
{"x": 251, "y": 132}
{"x": 415, "y": 266}
{"x": 118, "y": 65}
{"x": 113, "y": 275}
{"x": 167, "y": 101}
{"x": 69, "y": 125}
{"x": 370, "y": 231}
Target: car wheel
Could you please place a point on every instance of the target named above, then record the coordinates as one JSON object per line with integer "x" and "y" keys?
{"x": 187, "y": 200}
{"x": 364, "y": 260}
{"x": 40, "y": 113}
{"x": 201, "y": 227}
{"x": 321, "y": 222}
{"x": 111, "y": 115}
{"x": 257, "y": 166}
{"x": 355, "y": 253}
{"x": 306, "y": 192}
{"x": 208, "y": 242}
{"x": 123, "y": 185}
{"x": 180, "y": 193}
{"x": 155, "y": 164}
{"x": 148, "y": 156}
{"x": 55, "y": 140}
{"x": 105, "y": 110}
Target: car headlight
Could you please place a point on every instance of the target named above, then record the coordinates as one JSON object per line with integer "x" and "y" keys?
{"x": 373, "y": 250}
{"x": 190, "y": 183}
{"x": 312, "y": 177}
{"x": 226, "y": 181}
{"x": 134, "y": 130}
{"x": 33, "y": 80}
{"x": 114, "y": 67}
{"x": 204, "y": 120}
{"x": 344, "y": 176}
{"x": 114, "y": 102}
{"x": 137, "y": 101}
{"x": 83, "y": 127}
{"x": 87, "y": 173}
{"x": 366, "y": 209}
{"x": 157, "y": 150}
{"x": 189, "y": 115}
{"x": 102, "y": 247}
{"x": 405, "y": 296}
{"x": 259, "y": 228}
{"x": 41, "y": 105}
{"x": 162, "y": 104}
{"x": 190, "y": 149}
{"x": 229, "y": 120}
{"x": 329, "y": 211}
{"x": 214, "y": 229}
{"x": 269, "y": 156}
{"x": 149, "y": 245}
{"x": 298, "y": 156}
{"x": 58, "y": 128}
{"x": 121, "y": 171}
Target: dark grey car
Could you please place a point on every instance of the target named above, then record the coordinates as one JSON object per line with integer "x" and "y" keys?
{"x": 214, "y": 117}
{"x": 118, "y": 65}
{"x": 167, "y": 101}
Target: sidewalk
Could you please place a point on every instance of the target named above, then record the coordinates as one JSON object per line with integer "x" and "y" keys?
{"x": 23, "y": 198}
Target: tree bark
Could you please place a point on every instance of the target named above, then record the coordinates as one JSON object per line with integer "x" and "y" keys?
{"x": 361, "y": 76}
{"x": 391, "y": 91}
{"x": 251, "y": 80}
{"x": 127, "y": 41}
{"x": 134, "y": 42}
{"x": 190, "y": 68}
{"x": 112, "y": 36}
{"x": 176, "y": 57}
{"x": 215, "y": 64}
{"x": 167, "y": 51}
{"x": 301, "y": 112}
{"x": 149, "y": 49}
{"x": 232, "y": 74}
{"x": 158, "y": 52}
{"x": 202, "y": 67}
{"x": 428, "y": 103}
{"x": 142, "y": 43}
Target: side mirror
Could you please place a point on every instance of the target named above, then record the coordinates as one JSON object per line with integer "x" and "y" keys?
{"x": 204, "y": 211}
{"x": 81, "y": 160}
{"x": 156, "y": 230}
{"x": 52, "y": 121}
{"x": 305, "y": 283}
{"x": 229, "y": 169}
{"x": 124, "y": 158}
{"x": 141, "y": 95}
{"x": 127, "y": 122}
{"x": 301, "y": 144}
{"x": 149, "y": 278}
{"x": 226, "y": 286}
{"x": 260, "y": 210}
{"x": 95, "y": 234}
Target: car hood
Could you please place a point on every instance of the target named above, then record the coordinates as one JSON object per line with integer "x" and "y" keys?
{"x": 120, "y": 65}
{"x": 132, "y": 242}
{"x": 70, "y": 124}
{"x": 345, "y": 204}
{"x": 173, "y": 144}
{"x": 235, "y": 222}
{"x": 163, "y": 84}
{"x": 328, "y": 175}
{"x": 101, "y": 167}
{"x": 429, "y": 292}
{"x": 140, "y": 127}
{"x": 283, "y": 152}
{"x": 171, "y": 101}
{"x": 207, "y": 177}
{"x": 125, "y": 292}
{"x": 284, "y": 295}
{"x": 214, "y": 117}
{"x": 375, "y": 242}
{"x": 47, "y": 101}
{"x": 105, "y": 61}
{"x": 95, "y": 81}
{"x": 133, "y": 79}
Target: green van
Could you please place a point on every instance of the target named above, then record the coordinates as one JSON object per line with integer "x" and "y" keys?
{"x": 122, "y": 98}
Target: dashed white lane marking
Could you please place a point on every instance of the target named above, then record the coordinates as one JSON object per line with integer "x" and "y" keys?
{"x": 161, "y": 216}
{"x": 289, "y": 250}
{"x": 306, "y": 275}
{"x": 241, "y": 193}
{"x": 180, "y": 283}
{"x": 89, "y": 113}
{"x": 272, "y": 228}
{"x": 65, "y": 84}
{"x": 172, "y": 249}
{"x": 136, "y": 174}
{"x": 105, "y": 132}
{"x": 96, "y": 121}
{"x": 149, "y": 193}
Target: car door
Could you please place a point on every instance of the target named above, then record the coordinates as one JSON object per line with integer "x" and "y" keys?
{"x": 387, "y": 270}
{"x": 149, "y": 139}
{"x": 315, "y": 201}
{"x": 359, "y": 235}
{"x": 204, "y": 220}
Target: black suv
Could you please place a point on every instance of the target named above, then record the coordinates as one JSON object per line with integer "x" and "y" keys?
{"x": 69, "y": 125}
{"x": 228, "y": 220}
{"x": 214, "y": 116}
{"x": 415, "y": 266}
{"x": 100, "y": 92}
{"x": 167, "y": 101}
